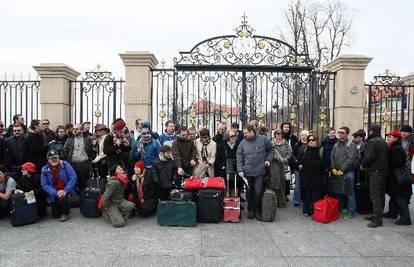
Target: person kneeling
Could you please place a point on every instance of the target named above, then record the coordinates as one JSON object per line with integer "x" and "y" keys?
{"x": 116, "y": 207}
{"x": 58, "y": 180}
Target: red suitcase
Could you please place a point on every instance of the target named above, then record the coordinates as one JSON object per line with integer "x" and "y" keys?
{"x": 326, "y": 210}
{"x": 231, "y": 204}
{"x": 196, "y": 183}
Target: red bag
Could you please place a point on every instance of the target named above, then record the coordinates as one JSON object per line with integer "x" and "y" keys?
{"x": 195, "y": 183}
{"x": 231, "y": 204}
{"x": 326, "y": 210}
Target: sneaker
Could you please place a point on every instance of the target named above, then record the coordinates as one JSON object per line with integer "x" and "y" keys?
{"x": 374, "y": 224}
{"x": 250, "y": 215}
{"x": 348, "y": 216}
{"x": 306, "y": 214}
{"x": 64, "y": 218}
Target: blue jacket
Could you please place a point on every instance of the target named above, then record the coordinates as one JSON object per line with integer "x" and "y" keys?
{"x": 67, "y": 174}
{"x": 167, "y": 138}
{"x": 152, "y": 150}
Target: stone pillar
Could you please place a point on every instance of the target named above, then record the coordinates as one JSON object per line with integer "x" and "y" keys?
{"x": 349, "y": 90}
{"x": 55, "y": 92}
{"x": 409, "y": 80}
{"x": 137, "y": 90}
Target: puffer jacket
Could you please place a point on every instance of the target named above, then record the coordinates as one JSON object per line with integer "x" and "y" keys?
{"x": 252, "y": 154}
{"x": 66, "y": 173}
{"x": 149, "y": 154}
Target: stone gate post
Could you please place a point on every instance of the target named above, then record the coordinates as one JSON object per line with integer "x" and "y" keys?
{"x": 55, "y": 92}
{"x": 349, "y": 90}
{"x": 137, "y": 90}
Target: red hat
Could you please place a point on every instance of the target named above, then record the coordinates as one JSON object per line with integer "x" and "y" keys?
{"x": 118, "y": 124}
{"x": 140, "y": 164}
{"x": 29, "y": 166}
{"x": 394, "y": 133}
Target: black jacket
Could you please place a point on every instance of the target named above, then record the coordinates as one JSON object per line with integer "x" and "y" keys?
{"x": 2, "y": 150}
{"x": 397, "y": 160}
{"x": 163, "y": 172}
{"x": 27, "y": 184}
{"x": 116, "y": 154}
{"x": 297, "y": 154}
{"x": 312, "y": 174}
{"x": 226, "y": 160}
{"x": 35, "y": 149}
{"x": 376, "y": 156}
{"x": 14, "y": 151}
{"x": 292, "y": 140}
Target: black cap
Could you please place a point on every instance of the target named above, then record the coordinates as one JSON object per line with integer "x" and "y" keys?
{"x": 165, "y": 148}
{"x": 360, "y": 132}
{"x": 406, "y": 128}
{"x": 52, "y": 153}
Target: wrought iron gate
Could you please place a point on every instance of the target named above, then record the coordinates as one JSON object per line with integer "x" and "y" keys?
{"x": 239, "y": 78}
{"x": 389, "y": 102}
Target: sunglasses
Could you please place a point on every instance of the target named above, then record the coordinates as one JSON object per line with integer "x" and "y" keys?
{"x": 16, "y": 131}
{"x": 278, "y": 133}
{"x": 45, "y": 123}
{"x": 340, "y": 132}
{"x": 311, "y": 140}
{"x": 231, "y": 136}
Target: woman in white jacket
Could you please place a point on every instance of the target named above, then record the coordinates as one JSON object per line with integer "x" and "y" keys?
{"x": 206, "y": 154}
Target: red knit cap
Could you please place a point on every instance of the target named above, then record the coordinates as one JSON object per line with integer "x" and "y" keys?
{"x": 29, "y": 166}
{"x": 140, "y": 164}
{"x": 118, "y": 124}
{"x": 394, "y": 133}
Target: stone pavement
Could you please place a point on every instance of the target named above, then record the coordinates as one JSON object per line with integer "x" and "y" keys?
{"x": 292, "y": 240}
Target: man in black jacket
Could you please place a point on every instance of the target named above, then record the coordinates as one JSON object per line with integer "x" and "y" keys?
{"x": 14, "y": 151}
{"x": 35, "y": 146}
{"x": 375, "y": 162}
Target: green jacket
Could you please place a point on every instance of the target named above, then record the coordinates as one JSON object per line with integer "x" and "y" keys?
{"x": 114, "y": 192}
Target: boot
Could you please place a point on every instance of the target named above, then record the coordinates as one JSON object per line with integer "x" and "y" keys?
{"x": 389, "y": 215}
{"x": 402, "y": 222}
{"x": 375, "y": 224}
{"x": 369, "y": 218}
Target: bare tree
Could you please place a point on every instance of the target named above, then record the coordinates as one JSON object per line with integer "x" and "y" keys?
{"x": 319, "y": 29}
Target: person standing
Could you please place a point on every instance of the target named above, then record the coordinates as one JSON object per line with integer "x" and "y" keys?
{"x": 58, "y": 143}
{"x": 253, "y": 156}
{"x": 78, "y": 152}
{"x": 328, "y": 143}
{"x": 343, "y": 162}
{"x": 375, "y": 161}
{"x": 279, "y": 166}
{"x": 220, "y": 140}
{"x": 138, "y": 128}
{"x": 50, "y": 135}
{"x": 3, "y": 133}
{"x": 35, "y": 147}
{"x": 17, "y": 120}
{"x": 184, "y": 153}
{"x": 14, "y": 151}
{"x": 292, "y": 140}
{"x": 58, "y": 180}
{"x": 297, "y": 154}
{"x": 169, "y": 136}
{"x": 400, "y": 194}
{"x": 86, "y": 127}
{"x": 101, "y": 131}
{"x": 117, "y": 146}
{"x": 193, "y": 133}
{"x": 407, "y": 142}
{"x": 312, "y": 168}
{"x": 206, "y": 154}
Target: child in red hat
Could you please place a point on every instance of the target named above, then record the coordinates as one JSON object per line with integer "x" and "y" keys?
{"x": 134, "y": 191}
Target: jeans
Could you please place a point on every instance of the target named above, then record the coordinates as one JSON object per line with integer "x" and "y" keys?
{"x": 297, "y": 197}
{"x": 309, "y": 197}
{"x": 254, "y": 193}
{"x": 350, "y": 198}
{"x": 398, "y": 205}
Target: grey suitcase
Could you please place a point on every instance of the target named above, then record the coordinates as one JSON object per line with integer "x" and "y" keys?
{"x": 269, "y": 203}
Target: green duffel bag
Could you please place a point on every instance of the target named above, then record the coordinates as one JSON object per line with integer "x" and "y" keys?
{"x": 177, "y": 213}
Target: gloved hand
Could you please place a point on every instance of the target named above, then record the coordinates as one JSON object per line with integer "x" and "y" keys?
{"x": 340, "y": 173}
{"x": 334, "y": 172}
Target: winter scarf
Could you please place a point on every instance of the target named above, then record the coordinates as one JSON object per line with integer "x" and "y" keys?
{"x": 123, "y": 178}
{"x": 59, "y": 184}
{"x": 205, "y": 142}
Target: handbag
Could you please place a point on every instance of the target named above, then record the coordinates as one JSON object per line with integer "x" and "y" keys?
{"x": 402, "y": 175}
{"x": 326, "y": 210}
{"x": 338, "y": 185}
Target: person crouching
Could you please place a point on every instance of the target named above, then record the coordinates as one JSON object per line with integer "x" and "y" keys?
{"x": 116, "y": 207}
{"x": 163, "y": 171}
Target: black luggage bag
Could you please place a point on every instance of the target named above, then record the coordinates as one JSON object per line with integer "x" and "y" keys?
{"x": 210, "y": 205}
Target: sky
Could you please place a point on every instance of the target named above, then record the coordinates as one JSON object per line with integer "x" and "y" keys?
{"x": 83, "y": 33}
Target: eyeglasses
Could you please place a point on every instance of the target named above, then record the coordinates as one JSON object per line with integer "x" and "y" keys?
{"x": 16, "y": 131}
{"x": 231, "y": 136}
{"x": 45, "y": 123}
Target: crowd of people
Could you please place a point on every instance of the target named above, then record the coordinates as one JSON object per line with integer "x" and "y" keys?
{"x": 138, "y": 168}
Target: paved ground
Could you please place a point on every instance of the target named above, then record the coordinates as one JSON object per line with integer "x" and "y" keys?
{"x": 292, "y": 240}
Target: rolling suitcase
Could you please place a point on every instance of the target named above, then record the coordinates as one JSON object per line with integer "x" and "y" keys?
{"x": 269, "y": 202}
{"x": 23, "y": 210}
{"x": 90, "y": 197}
{"x": 210, "y": 205}
{"x": 177, "y": 213}
{"x": 231, "y": 204}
